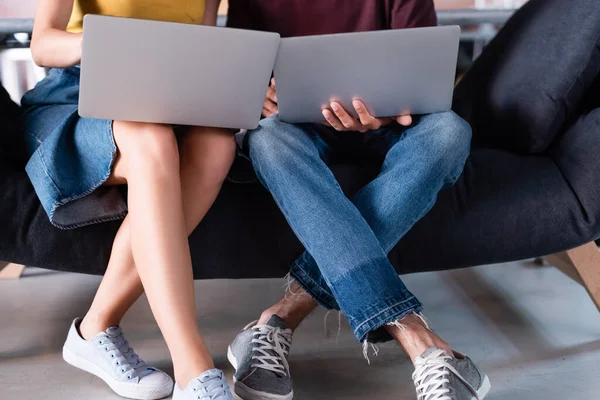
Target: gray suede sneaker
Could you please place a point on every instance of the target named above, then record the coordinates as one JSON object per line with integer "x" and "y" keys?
{"x": 259, "y": 355}
{"x": 440, "y": 376}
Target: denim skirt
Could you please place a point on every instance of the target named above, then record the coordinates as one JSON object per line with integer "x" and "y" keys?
{"x": 70, "y": 157}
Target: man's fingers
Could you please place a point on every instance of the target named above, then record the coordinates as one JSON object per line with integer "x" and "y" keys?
{"x": 365, "y": 117}
{"x": 404, "y": 120}
{"x": 347, "y": 120}
{"x": 333, "y": 120}
{"x": 273, "y": 82}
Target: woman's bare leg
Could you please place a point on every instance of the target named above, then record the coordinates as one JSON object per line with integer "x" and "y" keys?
{"x": 120, "y": 288}
{"x": 206, "y": 156}
{"x": 157, "y": 238}
{"x": 121, "y": 285}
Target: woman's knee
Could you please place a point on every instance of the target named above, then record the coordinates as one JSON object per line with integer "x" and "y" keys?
{"x": 208, "y": 153}
{"x": 147, "y": 146}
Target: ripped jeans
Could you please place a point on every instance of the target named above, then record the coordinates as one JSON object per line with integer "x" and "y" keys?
{"x": 347, "y": 240}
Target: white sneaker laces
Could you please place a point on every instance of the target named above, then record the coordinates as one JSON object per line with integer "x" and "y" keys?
{"x": 210, "y": 386}
{"x": 277, "y": 340}
{"x": 431, "y": 377}
{"x": 126, "y": 361}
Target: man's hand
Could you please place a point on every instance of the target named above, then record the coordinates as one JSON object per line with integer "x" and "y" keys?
{"x": 340, "y": 120}
{"x": 270, "y": 107}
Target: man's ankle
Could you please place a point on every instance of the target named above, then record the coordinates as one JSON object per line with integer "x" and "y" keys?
{"x": 293, "y": 313}
{"x": 266, "y": 315}
{"x": 415, "y": 336}
{"x": 295, "y": 305}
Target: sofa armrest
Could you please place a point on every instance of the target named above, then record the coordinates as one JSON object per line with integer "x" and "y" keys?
{"x": 529, "y": 81}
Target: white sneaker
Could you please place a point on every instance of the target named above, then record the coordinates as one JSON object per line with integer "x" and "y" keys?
{"x": 109, "y": 357}
{"x": 211, "y": 385}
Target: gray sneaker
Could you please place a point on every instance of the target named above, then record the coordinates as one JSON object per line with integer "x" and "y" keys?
{"x": 440, "y": 376}
{"x": 259, "y": 355}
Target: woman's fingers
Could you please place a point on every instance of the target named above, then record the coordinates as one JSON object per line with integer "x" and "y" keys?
{"x": 269, "y": 108}
{"x": 272, "y": 94}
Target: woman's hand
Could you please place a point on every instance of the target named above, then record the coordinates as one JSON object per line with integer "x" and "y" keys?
{"x": 51, "y": 45}
{"x": 340, "y": 120}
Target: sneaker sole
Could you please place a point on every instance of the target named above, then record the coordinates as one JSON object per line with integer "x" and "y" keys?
{"x": 484, "y": 390}
{"x": 123, "y": 389}
{"x": 246, "y": 393}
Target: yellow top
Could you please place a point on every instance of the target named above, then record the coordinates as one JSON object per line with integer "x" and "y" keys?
{"x": 186, "y": 11}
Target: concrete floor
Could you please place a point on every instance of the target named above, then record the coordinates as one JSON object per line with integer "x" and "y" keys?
{"x": 535, "y": 332}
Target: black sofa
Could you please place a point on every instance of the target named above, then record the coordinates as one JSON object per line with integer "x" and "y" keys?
{"x": 530, "y": 187}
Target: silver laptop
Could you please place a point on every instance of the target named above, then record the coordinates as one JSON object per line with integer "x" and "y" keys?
{"x": 393, "y": 72}
{"x": 148, "y": 71}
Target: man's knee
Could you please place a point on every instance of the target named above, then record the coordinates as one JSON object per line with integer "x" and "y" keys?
{"x": 272, "y": 142}
{"x": 450, "y": 140}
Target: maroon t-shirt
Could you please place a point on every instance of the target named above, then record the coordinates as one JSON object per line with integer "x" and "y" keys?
{"x": 314, "y": 17}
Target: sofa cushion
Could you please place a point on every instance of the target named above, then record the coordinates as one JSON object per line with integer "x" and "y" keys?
{"x": 528, "y": 82}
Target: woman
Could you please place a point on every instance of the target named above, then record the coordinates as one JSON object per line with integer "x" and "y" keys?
{"x": 172, "y": 180}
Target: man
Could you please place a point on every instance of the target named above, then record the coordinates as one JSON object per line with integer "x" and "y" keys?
{"x": 347, "y": 240}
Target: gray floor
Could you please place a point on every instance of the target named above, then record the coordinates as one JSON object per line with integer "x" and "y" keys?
{"x": 536, "y": 333}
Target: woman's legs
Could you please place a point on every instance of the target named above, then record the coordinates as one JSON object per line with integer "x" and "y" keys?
{"x": 163, "y": 187}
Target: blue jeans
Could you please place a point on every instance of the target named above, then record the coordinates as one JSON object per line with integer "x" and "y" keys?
{"x": 345, "y": 266}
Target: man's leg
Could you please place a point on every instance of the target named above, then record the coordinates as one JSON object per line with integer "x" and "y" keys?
{"x": 371, "y": 289}
{"x": 421, "y": 162}
{"x": 331, "y": 229}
